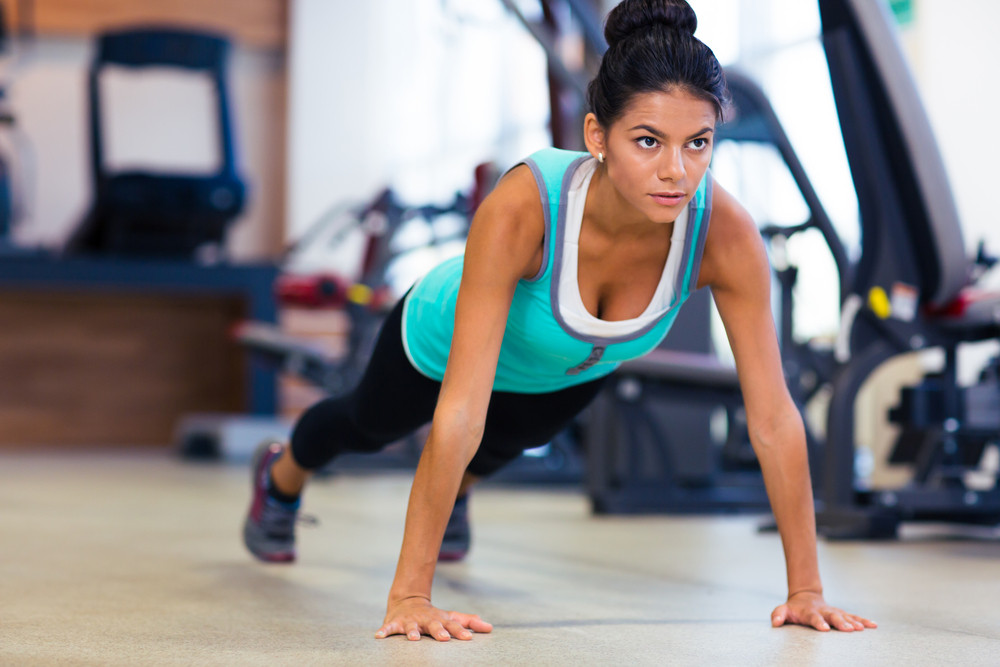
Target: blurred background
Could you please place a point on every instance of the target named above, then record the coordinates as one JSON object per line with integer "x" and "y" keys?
{"x": 339, "y": 121}
{"x": 207, "y": 207}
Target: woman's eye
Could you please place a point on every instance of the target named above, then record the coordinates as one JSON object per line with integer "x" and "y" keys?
{"x": 699, "y": 144}
{"x": 647, "y": 142}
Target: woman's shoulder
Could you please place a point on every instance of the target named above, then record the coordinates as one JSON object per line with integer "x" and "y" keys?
{"x": 733, "y": 245}
{"x": 729, "y": 214}
{"x": 515, "y": 197}
{"x": 554, "y": 161}
{"x": 511, "y": 220}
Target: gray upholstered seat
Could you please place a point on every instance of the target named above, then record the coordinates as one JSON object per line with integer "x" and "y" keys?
{"x": 909, "y": 165}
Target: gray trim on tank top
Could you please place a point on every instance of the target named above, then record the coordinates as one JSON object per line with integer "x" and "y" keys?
{"x": 706, "y": 216}
{"x": 546, "y": 211}
{"x": 603, "y": 341}
{"x": 699, "y": 242}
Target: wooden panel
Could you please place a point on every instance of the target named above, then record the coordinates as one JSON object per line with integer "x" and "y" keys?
{"x": 112, "y": 369}
{"x": 257, "y": 23}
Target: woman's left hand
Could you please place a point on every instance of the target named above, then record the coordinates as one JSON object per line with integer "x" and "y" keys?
{"x": 808, "y": 608}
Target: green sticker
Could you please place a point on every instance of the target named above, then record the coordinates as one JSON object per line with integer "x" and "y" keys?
{"x": 903, "y": 9}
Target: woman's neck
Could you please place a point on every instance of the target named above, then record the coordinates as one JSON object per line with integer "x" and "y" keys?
{"x": 612, "y": 215}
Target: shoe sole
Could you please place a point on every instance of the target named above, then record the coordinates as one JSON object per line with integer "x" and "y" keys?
{"x": 266, "y": 557}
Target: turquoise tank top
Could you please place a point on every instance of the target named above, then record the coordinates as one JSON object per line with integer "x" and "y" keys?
{"x": 540, "y": 353}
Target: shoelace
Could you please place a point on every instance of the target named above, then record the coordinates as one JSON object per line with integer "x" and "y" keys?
{"x": 281, "y": 521}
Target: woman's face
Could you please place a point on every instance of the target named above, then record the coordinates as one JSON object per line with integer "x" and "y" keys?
{"x": 657, "y": 151}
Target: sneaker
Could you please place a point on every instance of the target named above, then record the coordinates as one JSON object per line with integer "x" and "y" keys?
{"x": 269, "y": 529}
{"x": 457, "y": 535}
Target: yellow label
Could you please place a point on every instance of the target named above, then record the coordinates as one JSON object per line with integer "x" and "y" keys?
{"x": 878, "y": 301}
{"x": 362, "y": 294}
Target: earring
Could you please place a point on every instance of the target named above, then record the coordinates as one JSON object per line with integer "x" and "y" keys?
{"x": 600, "y": 158}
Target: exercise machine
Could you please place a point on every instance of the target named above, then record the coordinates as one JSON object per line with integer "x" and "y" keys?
{"x": 365, "y": 299}
{"x": 914, "y": 289}
{"x": 157, "y": 214}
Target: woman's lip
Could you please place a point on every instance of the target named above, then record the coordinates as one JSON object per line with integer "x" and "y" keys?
{"x": 667, "y": 199}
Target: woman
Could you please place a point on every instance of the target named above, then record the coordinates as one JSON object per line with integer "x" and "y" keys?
{"x": 576, "y": 262}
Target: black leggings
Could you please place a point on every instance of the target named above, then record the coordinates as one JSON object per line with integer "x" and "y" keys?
{"x": 393, "y": 399}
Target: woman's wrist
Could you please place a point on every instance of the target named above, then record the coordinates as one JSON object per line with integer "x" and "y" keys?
{"x": 399, "y": 599}
{"x": 813, "y": 590}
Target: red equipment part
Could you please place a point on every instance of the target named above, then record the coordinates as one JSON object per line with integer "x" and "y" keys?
{"x": 327, "y": 290}
{"x": 313, "y": 291}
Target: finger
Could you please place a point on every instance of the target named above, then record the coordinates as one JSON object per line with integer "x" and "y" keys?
{"x": 865, "y": 622}
{"x": 413, "y": 632}
{"x": 457, "y": 630}
{"x": 837, "y": 620}
{"x": 472, "y": 621}
{"x": 388, "y": 629}
{"x": 436, "y": 630}
{"x": 855, "y": 621}
{"x": 817, "y": 621}
{"x": 779, "y": 616}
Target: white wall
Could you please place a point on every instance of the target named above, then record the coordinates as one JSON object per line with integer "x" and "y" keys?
{"x": 956, "y": 58}
{"x": 411, "y": 94}
{"x": 163, "y": 119}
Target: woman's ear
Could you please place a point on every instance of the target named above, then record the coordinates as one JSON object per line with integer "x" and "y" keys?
{"x": 594, "y": 136}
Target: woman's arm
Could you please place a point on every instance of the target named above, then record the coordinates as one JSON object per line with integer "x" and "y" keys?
{"x": 736, "y": 268}
{"x": 505, "y": 243}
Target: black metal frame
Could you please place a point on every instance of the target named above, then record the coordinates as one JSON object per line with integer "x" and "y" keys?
{"x": 161, "y": 214}
{"x": 910, "y": 235}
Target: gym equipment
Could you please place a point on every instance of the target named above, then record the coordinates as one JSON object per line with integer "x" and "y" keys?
{"x": 160, "y": 214}
{"x": 365, "y": 300}
{"x": 6, "y": 189}
{"x": 567, "y": 75}
{"x": 15, "y": 150}
{"x": 913, "y": 289}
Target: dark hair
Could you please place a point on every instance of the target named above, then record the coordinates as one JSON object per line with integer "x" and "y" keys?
{"x": 652, "y": 47}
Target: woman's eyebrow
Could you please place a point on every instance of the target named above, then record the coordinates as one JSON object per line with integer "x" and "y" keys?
{"x": 656, "y": 133}
{"x": 659, "y": 135}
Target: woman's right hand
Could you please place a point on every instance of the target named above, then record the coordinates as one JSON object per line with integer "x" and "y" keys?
{"x": 416, "y": 616}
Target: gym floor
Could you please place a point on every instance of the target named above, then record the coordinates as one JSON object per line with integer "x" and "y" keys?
{"x": 126, "y": 558}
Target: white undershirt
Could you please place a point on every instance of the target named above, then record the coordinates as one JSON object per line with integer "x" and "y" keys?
{"x": 571, "y": 307}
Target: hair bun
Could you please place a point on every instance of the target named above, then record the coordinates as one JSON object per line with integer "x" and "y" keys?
{"x": 632, "y": 16}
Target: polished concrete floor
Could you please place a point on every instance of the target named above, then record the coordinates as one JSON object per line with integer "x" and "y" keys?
{"x": 135, "y": 559}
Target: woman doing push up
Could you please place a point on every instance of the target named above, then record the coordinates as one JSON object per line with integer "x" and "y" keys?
{"x": 575, "y": 263}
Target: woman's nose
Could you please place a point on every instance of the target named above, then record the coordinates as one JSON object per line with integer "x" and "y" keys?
{"x": 671, "y": 167}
